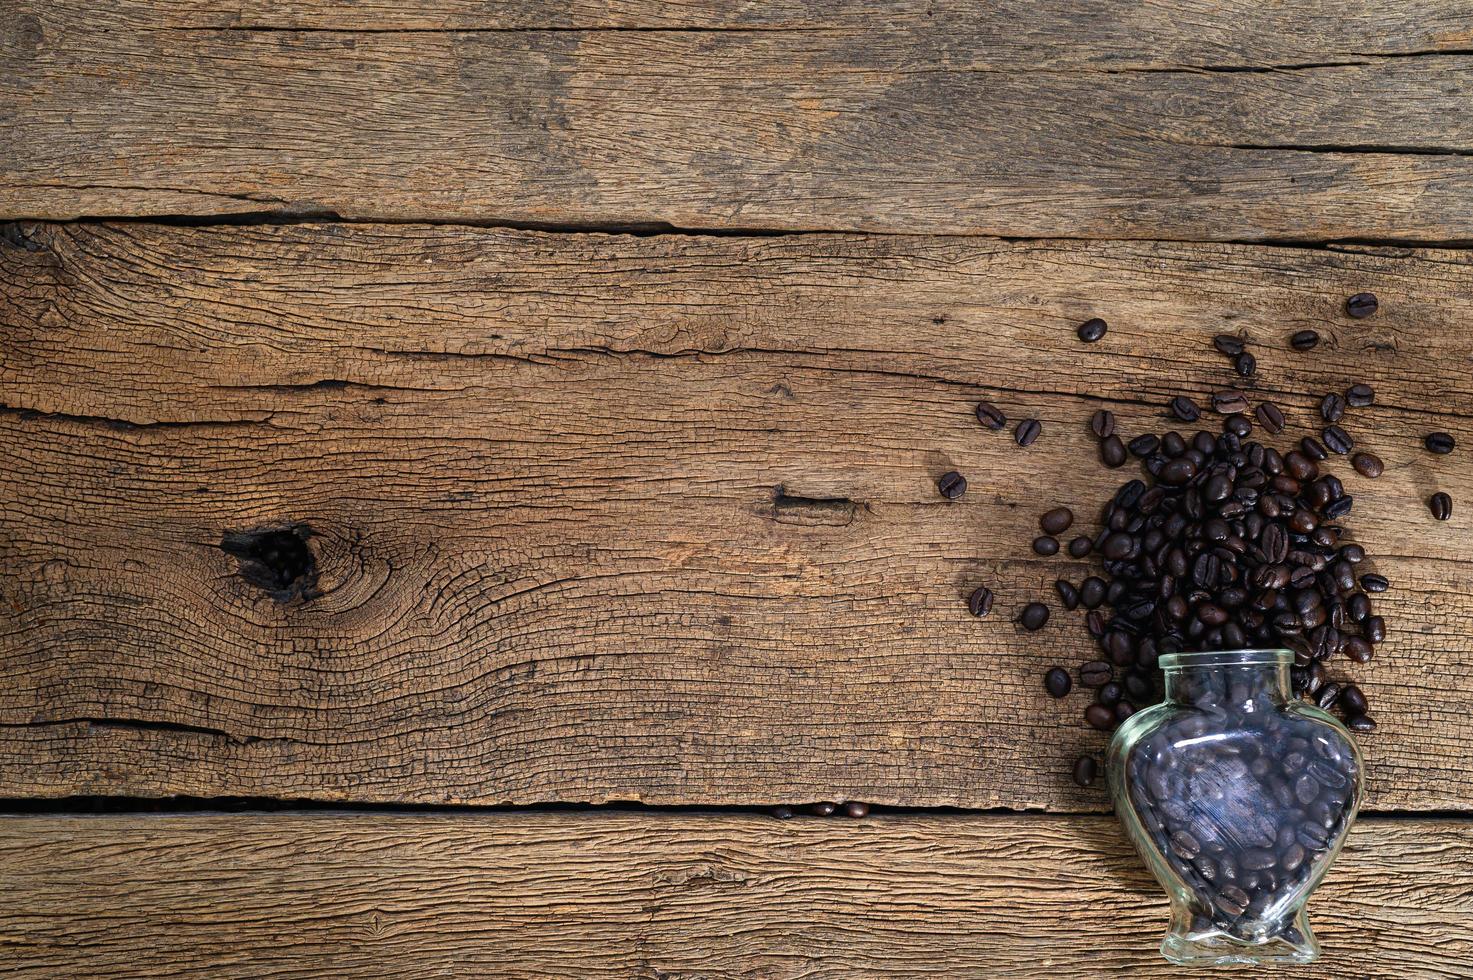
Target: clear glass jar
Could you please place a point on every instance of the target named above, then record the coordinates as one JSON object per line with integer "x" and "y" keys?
{"x": 1238, "y": 797}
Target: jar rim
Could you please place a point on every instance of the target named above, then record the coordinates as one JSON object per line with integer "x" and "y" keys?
{"x": 1227, "y": 658}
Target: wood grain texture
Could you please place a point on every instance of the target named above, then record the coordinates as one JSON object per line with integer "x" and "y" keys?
{"x": 608, "y": 517}
{"x": 1198, "y": 121}
{"x": 674, "y": 896}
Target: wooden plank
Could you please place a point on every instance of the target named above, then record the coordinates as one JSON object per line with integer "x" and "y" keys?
{"x": 1161, "y": 122}
{"x": 666, "y": 895}
{"x": 606, "y": 517}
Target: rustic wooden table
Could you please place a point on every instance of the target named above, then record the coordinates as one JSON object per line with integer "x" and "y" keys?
{"x": 609, "y": 352}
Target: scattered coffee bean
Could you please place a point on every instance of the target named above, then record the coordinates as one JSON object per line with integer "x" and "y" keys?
{"x": 1185, "y": 409}
{"x": 1337, "y": 440}
{"x": 1359, "y": 395}
{"x": 1361, "y": 723}
{"x": 1372, "y": 582}
{"x": 1112, "y": 452}
{"x": 1441, "y": 443}
{"x": 1102, "y": 423}
{"x": 1361, "y": 305}
{"x": 1144, "y": 445}
{"x": 991, "y": 416}
{"x": 1079, "y": 547}
{"x": 1100, "y": 717}
{"x": 1311, "y": 447}
{"x": 1367, "y": 465}
{"x": 1304, "y": 340}
{"x": 1352, "y": 701}
{"x": 856, "y": 810}
{"x": 980, "y": 602}
{"x": 1096, "y": 673}
{"x": 1085, "y": 770}
{"x": 1046, "y": 546}
{"x": 1441, "y": 505}
{"x": 1027, "y": 432}
{"x": 1228, "y": 402}
{"x": 1091, "y": 592}
{"x": 1057, "y": 682}
{"x": 1270, "y": 417}
{"x": 1056, "y": 521}
{"x": 1092, "y": 329}
{"x": 823, "y": 809}
{"x": 1332, "y": 407}
{"x": 1245, "y": 364}
{"x": 1034, "y": 616}
{"x": 1227, "y": 344}
{"x": 1068, "y": 594}
{"x": 952, "y": 485}
{"x": 782, "y": 812}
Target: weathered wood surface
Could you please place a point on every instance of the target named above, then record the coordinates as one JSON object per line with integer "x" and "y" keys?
{"x": 1198, "y": 121}
{"x": 666, "y": 895}
{"x": 606, "y": 517}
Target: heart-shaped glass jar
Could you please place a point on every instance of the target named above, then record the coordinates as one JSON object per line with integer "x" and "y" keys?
{"x": 1238, "y": 798}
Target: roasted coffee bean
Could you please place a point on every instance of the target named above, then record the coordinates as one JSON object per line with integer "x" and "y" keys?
{"x": 1270, "y": 417}
{"x": 856, "y": 810}
{"x": 823, "y": 809}
{"x": 980, "y": 602}
{"x": 1143, "y": 445}
{"x": 1332, "y": 407}
{"x": 1367, "y": 465}
{"x": 1079, "y": 547}
{"x": 1102, "y": 423}
{"x": 1310, "y": 446}
{"x": 1057, "y": 682}
{"x": 1440, "y": 443}
{"x": 1326, "y": 695}
{"x": 1245, "y": 364}
{"x": 782, "y": 812}
{"x": 1375, "y": 629}
{"x": 1184, "y": 845}
{"x": 1123, "y": 710}
{"x": 1227, "y": 344}
{"x": 1358, "y": 650}
{"x": 1337, "y": 440}
{"x": 1372, "y": 582}
{"x": 1185, "y": 409}
{"x": 1112, "y": 451}
{"x": 1068, "y": 594}
{"x": 1352, "y": 701}
{"x": 1304, "y": 340}
{"x": 1027, "y": 432}
{"x": 1109, "y": 694}
{"x": 1056, "y": 521}
{"x": 1094, "y": 621}
{"x": 1046, "y": 546}
{"x": 952, "y": 485}
{"x": 1178, "y": 471}
{"x": 1096, "y": 673}
{"x": 990, "y": 416}
{"x": 1034, "y": 616}
{"x": 1092, "y": 592}
{"x": 1361, "y": 723}
{"x": 1092, "y": 329}
{"x": 1085, "y": 770}
{"x": 1291, "y": 858}
{"x": 1228, "y": 402}
{"x": 1361, "y": 305}
{"x": 1172, "y": 444}
{"x": 1359, "y": 395}
{"x": 1339, "y": 508}
{"x": 1358, "y": 605}
{"x": 1441, "y": 505}
{"x": 1100, "y": 717}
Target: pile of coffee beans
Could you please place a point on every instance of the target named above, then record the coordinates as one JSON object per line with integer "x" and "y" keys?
{"x": 1224, "y": 541}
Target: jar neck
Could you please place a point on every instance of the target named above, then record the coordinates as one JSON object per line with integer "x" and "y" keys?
{"x": 1247, "y": 680}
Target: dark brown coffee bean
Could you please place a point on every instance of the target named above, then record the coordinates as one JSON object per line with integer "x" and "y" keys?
{"x": 1310, "y": 446}
{"x": 1270, "y": 417}
{"x": 1375, "y": 629}
{"x": 1144, "y": 445}
{"x": 1300, "y": 466}
{"x": 1332, "y": 407}
{"x": 1109, "y": 694}
{"x": 990, "y": 416}
{"x": 1245, "y": 364}
{"x": 1057, "y": 682}
{"x": 823, "y": 809}
{"x": 1237, "y": 425}
{"x": 1361, "y": 723}
{"x": 1046, "y": 546}
{"x": 856, "y": 810}
{"x": 1227, "y": 344}
{"x": 1337, "y": 440}
{"x": 1079, "y": 547}
{"x": 1327, "y": 695}
{"x": 1291, "y": 858}
{"x": 952, "y": 485}
{"x": 1123, "y": 710}
{"x": 1339, "y": 508}
{"x": 1361, "y": 305}
{"x": 980, "y": 602}
{"x": 1440, "y": 443}
{"x": 1358, "y": 650}
{"x": 1359, "y": 395}
{"x": 1112, "y": 452}
{"x": 782, "y": 812}
{"x": 1096, "y": 673}
{"x": 1178, "y": 471}
{"x": 1027, "y": 432}
{"x": 1184, "y": 845}
{"x": 1085, "y": 770}
{"x": 1100, "y": 717}
{"x": 1185, "y": 409}
{"x": 1352, "y": 701}
{"x": 1441, "y": 505}
{"x": 1034, "y": 616}
{"x": 1092, "y": 592}
{"x": 1304, "y": 340}
{"x": 1367, "y": 465}
{"x": 1092, "y": 329}
{"x": 1228, "y": 402}
{"x": 1068, "y": 594}
{"x": 1056, "y": 521}
{"x": 1102, "y": 423}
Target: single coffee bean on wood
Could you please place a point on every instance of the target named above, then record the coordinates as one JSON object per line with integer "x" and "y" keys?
{"x": 1352, "y": 701}
{"x": 1310, "y": 446}
{"x": 1057, "y": 682}
{"x": 1102, "y": 422}
{"x": 1337, "y": 440}
{"x": 1304, "y": 340}
{"x": 1099, "y": 717}
{"x": 1085, "y": 770}
{"x": 991, "y": 416}
{"x": 1046, "y": 545}
{"x": 1270, "y": 417}
{"x": 1245, "y": 364}
{"x": 1092, "y": 329}
{"x": 856, "y": 809}
{"x": 782, "y": 812}
{"x": 980, "y": 602}
{"x": 1056, "y": 521}
{"x": 1185, "y": 409}
{"x": 823, "y": 809}
{"x": 1112, "y": 452}
{"x": 1441, "y": 443}
{"x": 1368, "y": 465}
{"x": 952, "y": 485}
{"x": 1361, "y": 305}
{"x": 1361, "y": 723}
{"x": 1372, "y": 582}
{"x": 1441, "y": 505}
{"x": 1027, "y": 432}
{"x": 1034, "y": 616}
{"x": 1227, "y": 344}
{"x": 1332, "y": 407}
{"x": 1080, "y": 547}
{"x": 1359, "y": 395}
{"x": 1228, "y": 402}
{"x": 1068, "y": 594}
